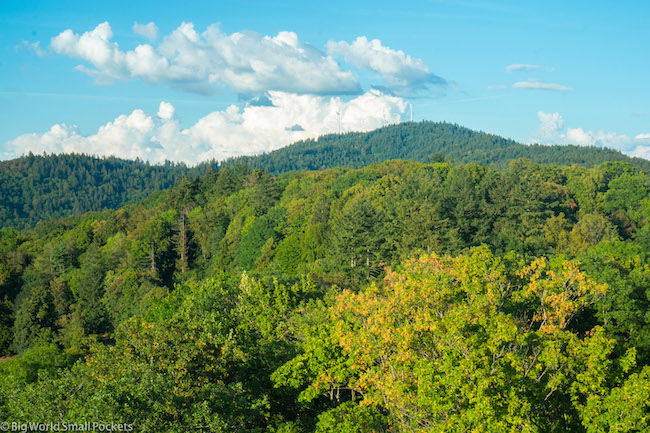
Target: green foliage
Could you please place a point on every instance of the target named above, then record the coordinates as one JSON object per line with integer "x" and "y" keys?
{"x": 200, "y": 358}
{"x": 6, "y": 326}
{"x": 353, "y": 418}
{"x": 474, "y": 342}
{"x": 88, "y": 289}
{"x": 126, "y": 295}
{"x": 40, "y": 187}
{"x": 268, "y": 226}
{"x": 418, "y": 142}
{"x": 43, "y": 359}
{"x": 241, "y": 301}
{"x": 35, "y": 318}
{"x": 357, "y": 236}
{"x": 591, "y": 230}
{"x": 622, "y": 409}
{"x": 625, "y": 310}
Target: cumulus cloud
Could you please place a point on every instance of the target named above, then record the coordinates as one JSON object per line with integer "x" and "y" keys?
{"x": 125, "y": 136}
{"x": 166, "y": 111}
{"x": 397, "y": 68}
{"x": 149, "y": 31}
{"x": 247, "y": 62}
{"x": 552, "y": 131}
{"x": 221, "y": 134}
{"x": 537, "y": 84}
{"x": 522, "y": 68}
{"x": 551, "y": 126}
{"x": 94, "y": 46}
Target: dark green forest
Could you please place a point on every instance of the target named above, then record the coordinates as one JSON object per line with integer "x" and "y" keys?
{"x": 42, "y": 187}
{"x": 404, "y": 296}
{"x": 36, "y": 188}
{"x": 425, "y": 142}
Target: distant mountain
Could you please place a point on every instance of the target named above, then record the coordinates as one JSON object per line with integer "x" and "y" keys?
{"x": 425, "y": 142}
{"x": 41, "y": 187}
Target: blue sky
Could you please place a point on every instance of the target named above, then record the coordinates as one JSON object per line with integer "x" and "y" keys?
{"x": 195, "y": 80}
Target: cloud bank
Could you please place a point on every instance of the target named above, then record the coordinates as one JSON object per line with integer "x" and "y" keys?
{"x": 246, "y": 62}
{"x": 221, "y": 134}
{"x": 552, "y": 131}
{"x": 398, "y": 69}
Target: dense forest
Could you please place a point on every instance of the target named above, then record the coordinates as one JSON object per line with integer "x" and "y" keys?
{"x": 41, "y": 187}
{"x": 398, "y": 297}
{"x": 35, "y": 188}
{"x": 425, "y": 142}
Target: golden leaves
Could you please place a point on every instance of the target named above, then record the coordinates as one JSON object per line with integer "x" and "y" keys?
{"x": 560, "y": 290}
{"x": 444, "y": 337}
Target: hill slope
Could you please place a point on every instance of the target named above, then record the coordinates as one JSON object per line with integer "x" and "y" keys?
{"x": 35, "y": 188}
{"x": 421, "y": 142}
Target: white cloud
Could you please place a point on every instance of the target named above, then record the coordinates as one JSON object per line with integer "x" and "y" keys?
{"x": 94, "y": 46}
{"x": 397, "y": 68}
{"x": 149, "y": 31}
{"x": 221, "y": 134}
{"x": 126, "y": 136}
{"x": 247, "y": 62}
{"x": 536, "y": 84}
{"x": 551, "y": 126}
{"x": 166, "y": 111}
{"x": 552, "y": 131}
{"x": 580, "y": 137}
{"x": 642, "y": 150}
{"x": 522, "y": 68}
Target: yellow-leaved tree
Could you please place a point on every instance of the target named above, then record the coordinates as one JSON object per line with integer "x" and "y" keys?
{"x": 475, "y": 343}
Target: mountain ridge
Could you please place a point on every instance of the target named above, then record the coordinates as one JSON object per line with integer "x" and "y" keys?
{"x": 40, "y": 187}
{"x": 420, "y": 141}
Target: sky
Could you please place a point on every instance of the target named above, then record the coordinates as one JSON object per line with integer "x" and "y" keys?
{"x": 191, "y": 81}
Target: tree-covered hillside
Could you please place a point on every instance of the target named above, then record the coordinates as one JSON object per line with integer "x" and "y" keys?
{"x": 425, "y": 142}
{"x": 400, "y": 297}
{"x": 36, "y": 188}
{"x": 41, "y": 187}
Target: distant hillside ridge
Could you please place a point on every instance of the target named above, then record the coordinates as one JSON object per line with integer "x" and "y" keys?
{"x": 34, "y": 188}
{"x": 424, "y": 142}
{"x": 40, "y": 187}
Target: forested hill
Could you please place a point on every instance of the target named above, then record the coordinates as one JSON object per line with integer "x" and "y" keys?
{"x": 425, "y": 142}
{"x": 41, "y": 187}
{"x": 399, "y": 297}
